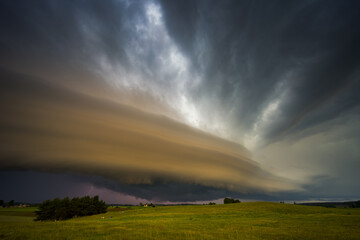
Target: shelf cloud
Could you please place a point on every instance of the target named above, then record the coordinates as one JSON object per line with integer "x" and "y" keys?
{"x": 49, "y": 128}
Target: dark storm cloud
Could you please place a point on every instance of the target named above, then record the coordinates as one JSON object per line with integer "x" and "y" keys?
{"x": 165, "y": 191}
{"x": 35, "y": 187}
{"x": 49, "y": 128}
{"x": 279, "y": 76}
{"x": 280, "y": 71}
{"x": 91, "y": 46}
{"x": 56, "y": 30}
{"x": 248, "y": 53}
{"x": 320, "y": 188}
{"x": 251, "y": 52}
{"x": 123, "y": 44}
{"x": 181, "y": 192}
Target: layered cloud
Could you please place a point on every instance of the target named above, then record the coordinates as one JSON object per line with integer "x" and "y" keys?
{"x": 49, "y": 128}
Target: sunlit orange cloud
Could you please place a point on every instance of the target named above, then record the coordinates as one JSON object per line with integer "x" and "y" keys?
{"x": 50, "y": 128}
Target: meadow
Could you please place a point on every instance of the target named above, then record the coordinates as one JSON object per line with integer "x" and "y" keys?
{"x": 256, "y": 220}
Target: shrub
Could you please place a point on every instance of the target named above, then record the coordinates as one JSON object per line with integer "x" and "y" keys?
{"x": 230, "y": 200}
{"x": 11, "y": 203}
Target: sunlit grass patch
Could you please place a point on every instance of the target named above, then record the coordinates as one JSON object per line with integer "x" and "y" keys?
{"x": 231, "y": 221}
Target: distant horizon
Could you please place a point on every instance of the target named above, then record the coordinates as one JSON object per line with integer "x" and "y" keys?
{"x": 217, "y": 201}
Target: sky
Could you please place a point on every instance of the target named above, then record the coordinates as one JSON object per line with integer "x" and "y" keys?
{"x": 180, "y": 101}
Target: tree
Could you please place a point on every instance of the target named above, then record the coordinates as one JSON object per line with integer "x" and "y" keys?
{"x": 62, "y": 209}
{"x": 11, "y": 203}
{"x": 2, "y": 203}
{"x": 228, "y": 200}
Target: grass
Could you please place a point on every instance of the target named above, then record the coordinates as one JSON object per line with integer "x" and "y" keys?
{"x": 231, "y": 221}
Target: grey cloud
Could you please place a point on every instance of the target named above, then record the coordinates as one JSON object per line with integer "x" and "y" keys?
{"x": 302, "y": 56}
{"x": 246, "y": 53}
{"x": 254, "y": 51}
{"x": 50, "y": 128}
{"x": 325, "y": 159}
{"x": 35, "y": 187}
{"x": 88, "y": 42}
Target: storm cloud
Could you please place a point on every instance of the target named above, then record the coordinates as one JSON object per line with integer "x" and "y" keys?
{"x": 257, "y": 98}
{"x": 45, "y": 127}
{"x": 271, "y": 65}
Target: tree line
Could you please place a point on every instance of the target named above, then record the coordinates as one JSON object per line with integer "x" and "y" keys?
{"x": 11, "y": 203}
{"x": 62, "y": 209}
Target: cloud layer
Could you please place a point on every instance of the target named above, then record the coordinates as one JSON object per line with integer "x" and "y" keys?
{"x": 48, "y": 128}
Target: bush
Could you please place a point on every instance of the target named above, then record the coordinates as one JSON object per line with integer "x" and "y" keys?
{"x": 62, "y": 209}
{"x": 230, "y": 200}
{"x": 11, "y": 203}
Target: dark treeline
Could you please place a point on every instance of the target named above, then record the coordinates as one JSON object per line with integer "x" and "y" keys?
{"x": 61, "y": 209}
{"x": 352, "y": 204}
{"x": 11, "y": 203}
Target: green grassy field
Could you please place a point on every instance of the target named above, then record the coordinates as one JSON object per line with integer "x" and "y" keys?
{"x": 231, "y": 221}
